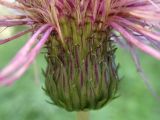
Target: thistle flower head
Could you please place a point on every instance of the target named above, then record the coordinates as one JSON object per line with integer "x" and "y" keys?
{"x": 79, "y": 37}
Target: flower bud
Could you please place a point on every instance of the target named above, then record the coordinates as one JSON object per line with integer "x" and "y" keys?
{"x": 84, "y": 75}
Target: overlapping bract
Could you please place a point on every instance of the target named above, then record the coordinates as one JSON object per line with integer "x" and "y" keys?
{"x": 137, "y": 21}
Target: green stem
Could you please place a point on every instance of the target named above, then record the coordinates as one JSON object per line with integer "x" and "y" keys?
{"x": 82, "y": 115}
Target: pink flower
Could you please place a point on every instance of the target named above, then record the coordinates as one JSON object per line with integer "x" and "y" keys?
{"x": 133, "y": 24}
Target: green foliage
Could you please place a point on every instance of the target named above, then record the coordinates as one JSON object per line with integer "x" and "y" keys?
{"x": 25, "y": 100}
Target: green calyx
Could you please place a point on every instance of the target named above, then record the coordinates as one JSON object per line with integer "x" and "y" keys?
{"x": 84, "y": 76}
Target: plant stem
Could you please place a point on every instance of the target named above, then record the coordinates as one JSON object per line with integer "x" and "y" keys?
{"x": 82, "y": 115}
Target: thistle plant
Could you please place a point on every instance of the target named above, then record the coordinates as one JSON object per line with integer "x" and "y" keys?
{"x": 80, "y": 37}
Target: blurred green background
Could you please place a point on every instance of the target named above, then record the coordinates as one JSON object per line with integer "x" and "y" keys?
{"x": 25, "y": 100}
